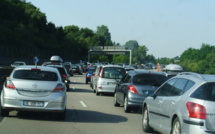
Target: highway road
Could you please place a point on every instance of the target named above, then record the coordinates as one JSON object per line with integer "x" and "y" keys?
{"x": 86, "y": 114}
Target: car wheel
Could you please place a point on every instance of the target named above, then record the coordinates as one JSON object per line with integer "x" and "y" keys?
{"x": 126, "y": 107}
{"x": 97, "y": 93}
{"x": 62, "y": 115}
{"x": 115, "y": 103}
{"x": 67, "y": 86}
{"x": 86, "y": 82}
{"x": 94, "y": 89}
{"x": 4, "y": 113}
{"x": 176, "y": 127}
{"x": 145, "y": 121}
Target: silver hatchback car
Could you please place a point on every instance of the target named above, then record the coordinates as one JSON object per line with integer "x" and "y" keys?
{"x": 31, "y": 88}
{"x": 105, "y": 78}
{"x": 182, "y": 105}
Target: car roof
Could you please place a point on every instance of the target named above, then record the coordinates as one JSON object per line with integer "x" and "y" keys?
{"x": 192, "y": 75}
{"x": 36, "y": 67}
{"x": 134, "y": 72}
{"x": 112, "y": 66}
{"x": 53, "y": 65}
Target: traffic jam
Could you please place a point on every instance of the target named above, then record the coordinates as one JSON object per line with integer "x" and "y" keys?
{"x": 169, "y": 100}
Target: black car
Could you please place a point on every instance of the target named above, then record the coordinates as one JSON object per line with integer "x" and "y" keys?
{"x": 77, "y": 69}
{"x": 64, "y": 74}
{"x": 68, "y": 66}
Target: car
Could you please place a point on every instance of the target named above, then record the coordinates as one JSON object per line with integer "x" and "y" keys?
{"x": 68, "y": 66}
{"x": 184, "y": 104}
{"x": 77, "y": 69}
{"x": 172, "y": 70}
{"x": 89, "y": 74}
{"x": 127, "y": 69}
{"x": 18, "y": 63}
{"x": 31, "y": 88}
{"x": 105, "y": 78}
{"x": 135, "y": 86}
{"x": 64, "y": 74}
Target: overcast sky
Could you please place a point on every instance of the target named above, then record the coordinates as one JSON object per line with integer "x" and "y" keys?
{"x": 166, "y": 27}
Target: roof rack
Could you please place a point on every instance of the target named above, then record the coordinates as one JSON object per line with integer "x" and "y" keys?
{"x": 192, "y": 73}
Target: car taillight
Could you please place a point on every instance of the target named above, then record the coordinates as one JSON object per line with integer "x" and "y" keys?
{"x": 196, "y": 110}
{"x": 9, "y": 84}
{"x": 64, "y": 76}
{"x": 101, "y": 73}
{"x": 132, "y": 89}
{"x": 88, "y": 76}
{"x": 59, "y": 88}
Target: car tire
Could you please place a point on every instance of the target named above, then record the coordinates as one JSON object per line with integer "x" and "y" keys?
{"x": 145, "y": 121}
{"x": 127, "y": 109}
{"x": 115, "y": 103}
{"x": 86, "y": 82}
{"x": 62, "y": 115}
{"x": 67, "y": 87}
{"x": 97, "y": 93}
{"x": 94, "y": 89}
{"x": 176, "y": 127}
{"x": 4, "y": 113}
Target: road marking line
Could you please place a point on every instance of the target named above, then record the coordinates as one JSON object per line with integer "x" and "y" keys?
{"x": 83, "y": 104}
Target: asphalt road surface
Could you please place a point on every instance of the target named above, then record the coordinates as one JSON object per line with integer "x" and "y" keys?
{"x": 86, "y": 114}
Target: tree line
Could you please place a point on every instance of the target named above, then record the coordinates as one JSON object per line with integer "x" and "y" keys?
{"x": 25, "y": 33}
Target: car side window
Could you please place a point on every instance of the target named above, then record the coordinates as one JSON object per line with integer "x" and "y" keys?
{"x": 127, "y": 79}
{"x": 166, "y": 88}
{"x": 178, "y": 87}
{"x": 205, "y": 92}
{"x": 189, "y": 85}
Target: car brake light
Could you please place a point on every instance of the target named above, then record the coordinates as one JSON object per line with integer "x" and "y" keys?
{"x": 101, "y": 73}
{"x": 196, "y": 110}
{"x": 37, "y": 69}
{"x": 64, "y": 76}
{"x": 132, "y": 89}
{"x": 59, "y": 88}
{"x": 9, "y": 84}
{"x": 88, "y": 76}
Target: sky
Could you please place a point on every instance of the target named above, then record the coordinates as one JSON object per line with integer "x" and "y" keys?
{"x": 166, "y": 27}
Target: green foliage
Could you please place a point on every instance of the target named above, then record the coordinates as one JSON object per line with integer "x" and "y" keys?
{"x": 199, "y": 60}
{"x": 121, "y": 59}
{"x": 131, "y": 45}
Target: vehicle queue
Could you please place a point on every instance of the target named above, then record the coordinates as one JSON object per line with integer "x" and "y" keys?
{"x": 133, "y": 89}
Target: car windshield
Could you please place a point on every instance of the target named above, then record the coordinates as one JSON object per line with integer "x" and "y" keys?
{"x": 35, "y": 75}
{"x": 149, "y": 79}
{"x": 113, "y": 72}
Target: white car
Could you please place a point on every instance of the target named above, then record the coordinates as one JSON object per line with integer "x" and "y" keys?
{"x": 31, "y": 88}
{"x": 18, "y": 63}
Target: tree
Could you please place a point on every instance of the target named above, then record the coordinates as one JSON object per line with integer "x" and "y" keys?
{"x": 132, "y": 44}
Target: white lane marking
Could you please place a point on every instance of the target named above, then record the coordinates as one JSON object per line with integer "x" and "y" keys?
{"x": 83, "y": 104}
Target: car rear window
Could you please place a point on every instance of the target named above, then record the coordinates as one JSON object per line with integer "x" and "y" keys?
{"x": 205, "y": 92}
{"x": 35, "y": 75}
{"x": 61, "y": 70}
{"x": 113, "y": 72}
{"x": 149, "y": 79}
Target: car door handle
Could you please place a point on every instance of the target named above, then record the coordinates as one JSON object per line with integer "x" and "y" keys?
{"x": 172, "y": 103}
{"x": 160, "y": 101}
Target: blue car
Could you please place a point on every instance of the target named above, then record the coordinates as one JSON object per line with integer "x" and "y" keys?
{"x": 89, "y": 74}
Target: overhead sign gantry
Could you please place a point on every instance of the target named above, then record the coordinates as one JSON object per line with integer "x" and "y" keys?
{"x": 111, "y": 50}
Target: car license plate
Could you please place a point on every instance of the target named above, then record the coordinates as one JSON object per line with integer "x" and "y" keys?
{"x": 33, "y": 103}
{"x": 110, "y": 83}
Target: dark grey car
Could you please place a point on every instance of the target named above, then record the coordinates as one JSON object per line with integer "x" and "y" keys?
{"x": 135, "y": 86}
